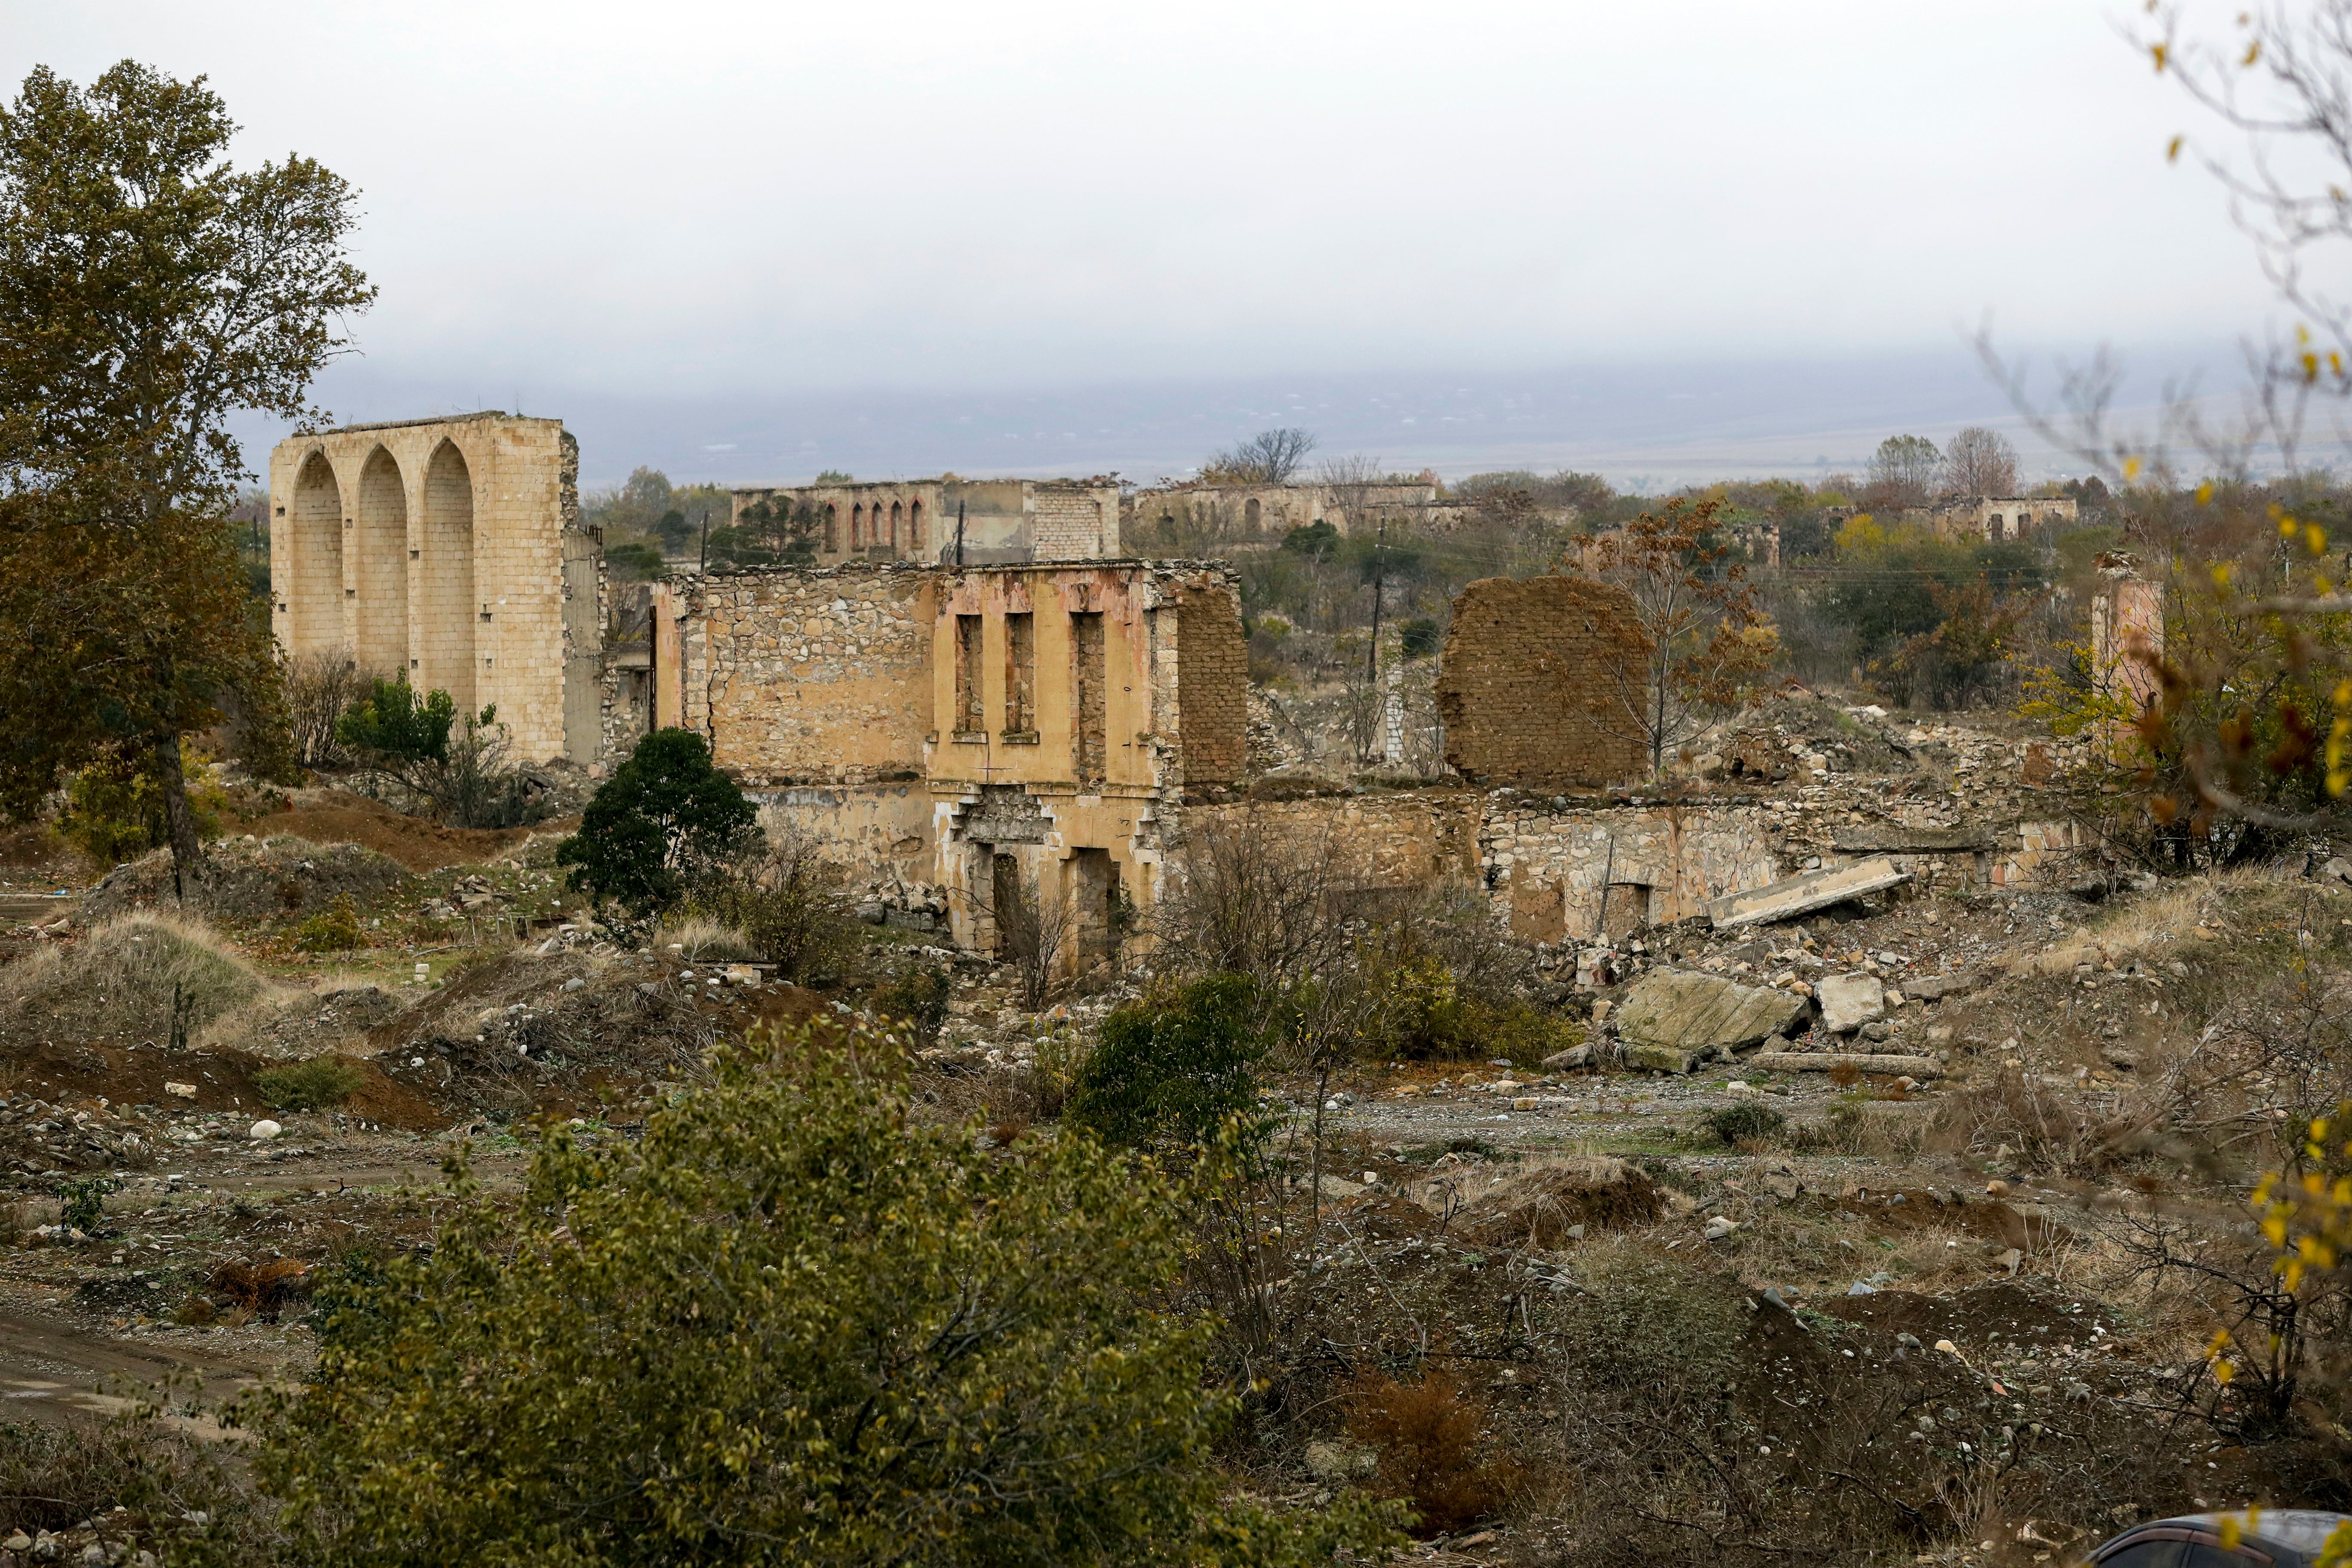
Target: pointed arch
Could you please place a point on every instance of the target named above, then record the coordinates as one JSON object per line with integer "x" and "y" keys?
{"x": 381, "y": 541}
{"x": 897, "y": 512}
{"x": 915, "y": 528}
{"x": 315, "y": 542}
{"x": 443, "y": 649}
{"x": 832, "y": 528}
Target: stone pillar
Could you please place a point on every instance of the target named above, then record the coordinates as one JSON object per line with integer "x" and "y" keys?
{"x": 2127, "y": 645}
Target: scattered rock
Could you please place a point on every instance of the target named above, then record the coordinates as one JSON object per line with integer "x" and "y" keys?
{"x": 1849, "y": 1001}
{"x": 262, "y": 1131}
{"x": 1682, "y": 1011}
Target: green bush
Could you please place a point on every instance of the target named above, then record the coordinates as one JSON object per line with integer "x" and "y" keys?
{"x": 310, "y": 1085}
{"x": 664, "y": 820}
{"x": 334, "y": 930}
{"x": 1172, "y": 1067}
{"x": 790, "y": 1325}
{"x": 114, "y": 807}
{"x": 916, "y": 993}
{"x": 1736, "y": 1124}
{"x": 81, "y": 1202}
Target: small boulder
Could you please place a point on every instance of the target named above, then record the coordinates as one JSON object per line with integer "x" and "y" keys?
{"x": 1849, "y": 1001}
{"x": 1697, "y": 1014}
{"x": 1658, "y": 1058}
{"x": 180, "y": 1090}
{"x": 262, "y": 1131}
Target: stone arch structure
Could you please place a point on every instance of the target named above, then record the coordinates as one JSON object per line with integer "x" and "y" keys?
{"x": 379, "y": 541}
{"x": 915, "y": 528}
{"x": 897, "y": 515}
{"x": 442, "y": 638}
{"x": 315, "y": 535}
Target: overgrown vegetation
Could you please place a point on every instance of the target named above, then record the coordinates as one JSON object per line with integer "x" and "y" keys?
{"x": 311, "y": 1085}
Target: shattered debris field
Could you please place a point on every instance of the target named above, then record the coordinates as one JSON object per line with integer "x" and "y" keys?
{"x": 1907, "y": 1219}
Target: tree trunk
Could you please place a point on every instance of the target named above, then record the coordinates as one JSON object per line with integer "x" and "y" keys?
{"x": 179, "y": 820}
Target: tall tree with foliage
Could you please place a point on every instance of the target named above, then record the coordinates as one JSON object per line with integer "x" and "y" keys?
{"x": 150, "y": 292}
{"x": 665, "y": 818}
{"x": 793, "y": 1324}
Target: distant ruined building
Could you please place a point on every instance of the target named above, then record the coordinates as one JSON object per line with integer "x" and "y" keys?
{"x": 1036, "y": 718}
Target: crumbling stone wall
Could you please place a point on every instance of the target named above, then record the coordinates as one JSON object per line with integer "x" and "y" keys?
{"x": 821, "y": 676}
{"x": 1213, "y": 683}
{"x": 1408, "y": 839}
{"x": 1074, "y": 522}
{"x": 1577, "y": 870}
{"x": 1525, "y": 662}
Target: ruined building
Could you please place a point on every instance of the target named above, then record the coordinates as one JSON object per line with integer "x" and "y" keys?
{"x": 1011, "y": 733}
{"x": 449, "y": 551}
{"x": 997, "y": 520}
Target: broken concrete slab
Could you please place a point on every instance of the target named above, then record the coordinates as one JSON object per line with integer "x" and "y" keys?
{"x": 1574, "y": 1057}
{"x": 1682, "y": 1011}
{"x": 1849, "y": 1001}
{"x": 1860, "y": 1061}
{"x": 1936, "y": 987}
{"x": 1659, "y": 1059}
{"x": 1794, "y": 896}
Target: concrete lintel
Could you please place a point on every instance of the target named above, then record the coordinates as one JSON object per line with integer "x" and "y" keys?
{"x": 1794, "y": 896}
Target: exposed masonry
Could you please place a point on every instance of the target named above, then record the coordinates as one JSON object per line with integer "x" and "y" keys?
{"x": 1002, "y": 521}
{"x": 943, "y": 727}
{"x": 1527, "y": 667}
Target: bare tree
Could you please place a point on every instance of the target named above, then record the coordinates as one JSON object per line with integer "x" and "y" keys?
{"x": 1700, "y": 640}
{"x": 1269, "y": 458}
{"x": 1980, "y": 462}
{"x": 1907, "y": 467}
{"x": 1034, "y": 933}
{"x": 321, "y": 685}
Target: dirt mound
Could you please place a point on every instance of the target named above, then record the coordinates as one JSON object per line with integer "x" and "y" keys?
{"x": 522, "y": 1032}
{"x": 254, "y": 881}
{"x": 337, "y": 816}
{"x": 1540, "y": 1200}
{"x": 142, "y": 979}
{"x": 1990, "y": 1314}
{"x": 305, "y": 1024}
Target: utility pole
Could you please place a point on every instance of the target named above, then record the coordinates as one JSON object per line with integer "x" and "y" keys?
{"x": 702, "y": 560}
{"x": 1372, "y": 654}
{"x": 959, "y": 533}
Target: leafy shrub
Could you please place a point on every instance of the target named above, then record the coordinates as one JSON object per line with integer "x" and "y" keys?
{"x": 842, "y": 1336}
{"x": 335, "y": 928}
{"x": 1171, "y": 1067}
{"x": 916, "y": 993}
{"x": 310, "y": 1085}
{"x": 1736, "y": 1124}
{"x": 663, "y": 821}
{"x": 114, "y": 806}
{"x": 81, "y": 1202}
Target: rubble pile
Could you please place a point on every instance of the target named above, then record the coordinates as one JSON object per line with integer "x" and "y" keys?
{"x": 250, "y": 879}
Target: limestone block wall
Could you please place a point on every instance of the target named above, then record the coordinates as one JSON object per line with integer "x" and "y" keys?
{"x": 435, "y": 548}
{"x": 1073, "y": 522}
{"x": 1005, "y": 520}
{"x": 1578, "y": 871}
{"x": 1525, "y": 664}
{"x": 809, "y": 676}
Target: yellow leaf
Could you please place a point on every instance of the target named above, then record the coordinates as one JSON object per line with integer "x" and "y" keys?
{"x": 2131, "y": 468}
{"x": 2172, "y": 151}
{"x": 2158, "y": 51}
{"x": 2205, "y": 493}
{"x": 2254, "y": 53}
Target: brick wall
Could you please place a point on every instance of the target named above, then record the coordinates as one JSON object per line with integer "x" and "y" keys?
{"x": 810, "y": 677}
{"x": 1213, "y": 686}
{"x": 1524, "y": 662}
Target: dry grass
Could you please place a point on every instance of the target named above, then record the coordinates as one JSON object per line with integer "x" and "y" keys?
{"x": 703, "y": 941}
{"x": 139, "y": 978}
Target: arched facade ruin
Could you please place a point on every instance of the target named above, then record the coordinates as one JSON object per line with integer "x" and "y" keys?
{"x": 444, "y": 550}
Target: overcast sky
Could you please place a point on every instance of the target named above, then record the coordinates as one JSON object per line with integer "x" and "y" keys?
{"x": 762, "y": 236}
